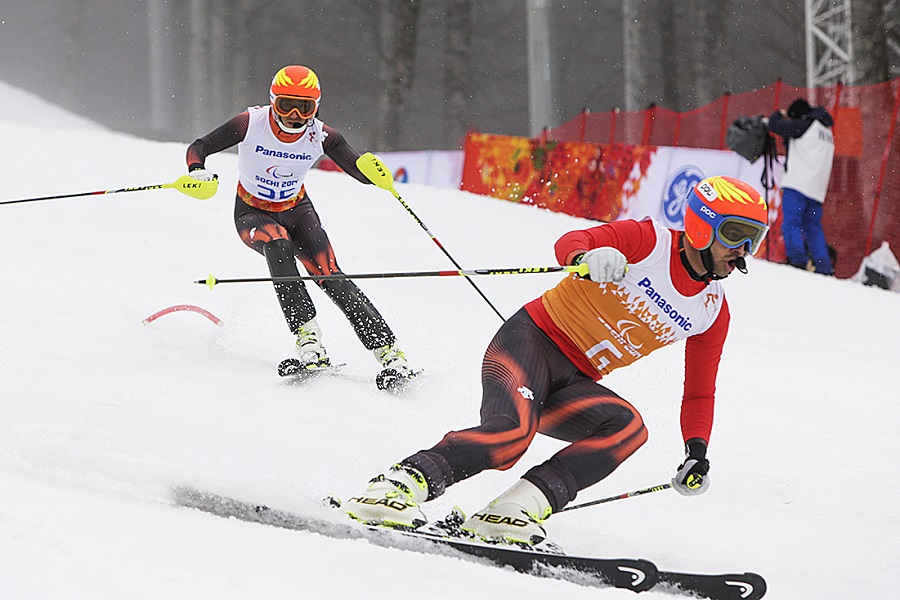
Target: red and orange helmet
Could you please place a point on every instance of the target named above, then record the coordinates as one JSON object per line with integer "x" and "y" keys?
{"x": 295, "y": 88}
{"x": 728, "y": 210}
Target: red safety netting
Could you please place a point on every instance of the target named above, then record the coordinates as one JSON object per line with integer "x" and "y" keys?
{"x": 863, "y": 204}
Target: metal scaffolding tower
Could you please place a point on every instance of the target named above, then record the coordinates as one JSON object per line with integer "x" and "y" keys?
{"x": 829, "y": 43}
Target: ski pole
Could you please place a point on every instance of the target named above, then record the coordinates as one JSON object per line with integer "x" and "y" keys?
{"x": 655, "y": 488}
{"x": 582, "y": 270}
{"x": 201, "y": 190}
{"x": 372, "y": 167}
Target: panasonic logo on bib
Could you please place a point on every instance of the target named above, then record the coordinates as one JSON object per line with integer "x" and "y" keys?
{"x": 279, "y": 154}
{"x": 656, "y": 297}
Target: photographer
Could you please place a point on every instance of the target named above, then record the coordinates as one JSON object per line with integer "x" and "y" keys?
{"x": 807, "y": 136}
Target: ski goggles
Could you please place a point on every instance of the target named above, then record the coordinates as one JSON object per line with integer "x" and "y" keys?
{"x": 734, "y": 232}
{"x": 285, "y": 105}
{"x": 731, "y": 231}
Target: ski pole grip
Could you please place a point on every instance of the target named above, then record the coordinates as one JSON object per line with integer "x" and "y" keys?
{"x": 201, "y": 190}
{"x": 376, "y": 171}
{"x": 581, "y": 269}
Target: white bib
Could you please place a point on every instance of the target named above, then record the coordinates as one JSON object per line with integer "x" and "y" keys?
{"x": 271, "y": 169}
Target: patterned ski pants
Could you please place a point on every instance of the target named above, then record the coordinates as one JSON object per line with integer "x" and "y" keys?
{"x": 279, "y": 236}
{"x": 530, "y": 387}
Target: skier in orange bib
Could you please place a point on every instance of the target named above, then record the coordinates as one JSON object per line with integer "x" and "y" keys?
{"x": 648, "y": 286}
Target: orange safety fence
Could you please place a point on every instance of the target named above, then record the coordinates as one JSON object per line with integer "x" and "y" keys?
{"x": 862, "y": 207}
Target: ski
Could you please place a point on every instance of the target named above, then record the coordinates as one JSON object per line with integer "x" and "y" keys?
{"x": 292, "y": 367}
{"x": 635, "y": 574}
{"x": 392, "y": 380}
{"x": 736, "y": 586}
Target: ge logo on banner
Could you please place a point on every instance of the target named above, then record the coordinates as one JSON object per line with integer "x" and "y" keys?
{"x": 675, "y": 193}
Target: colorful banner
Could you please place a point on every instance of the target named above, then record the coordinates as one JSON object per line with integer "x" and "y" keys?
{"x": 608, "y": 182}
{"x": 584, "y": 180}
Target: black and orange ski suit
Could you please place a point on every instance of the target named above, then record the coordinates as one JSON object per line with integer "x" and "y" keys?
{"x": 535, "y": 380}
{"x": 298, "y": 231}
{"x": 529, "y": 387}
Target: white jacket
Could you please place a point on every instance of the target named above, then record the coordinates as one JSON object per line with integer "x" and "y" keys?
{"x": 809, "y": 161}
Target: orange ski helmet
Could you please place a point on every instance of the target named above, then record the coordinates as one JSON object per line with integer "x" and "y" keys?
{"x": 295, "y": 89}
{"x": 728, "y": 210}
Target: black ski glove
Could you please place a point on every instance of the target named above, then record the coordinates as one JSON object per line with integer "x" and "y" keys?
{"x": 692, "y": 477}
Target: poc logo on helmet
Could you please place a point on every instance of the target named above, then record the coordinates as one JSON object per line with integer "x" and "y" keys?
{"x": 708, "y": 211}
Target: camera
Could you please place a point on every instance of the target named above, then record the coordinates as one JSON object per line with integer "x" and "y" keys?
{"x": 749, "y": 137}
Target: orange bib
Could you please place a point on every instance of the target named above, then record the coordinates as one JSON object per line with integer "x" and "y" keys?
{"x": 614, "y": 324}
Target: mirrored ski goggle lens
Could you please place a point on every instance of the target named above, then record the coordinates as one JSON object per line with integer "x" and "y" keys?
{"x": 733, "y": 233}
{"x": 305, "y": 107}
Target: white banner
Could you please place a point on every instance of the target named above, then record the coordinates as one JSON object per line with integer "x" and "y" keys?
{"x": 440, "y": 168}
{"x": 673, "y": 171}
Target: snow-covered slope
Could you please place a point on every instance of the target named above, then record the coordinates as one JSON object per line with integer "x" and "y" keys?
{"x": 101, "y": 414}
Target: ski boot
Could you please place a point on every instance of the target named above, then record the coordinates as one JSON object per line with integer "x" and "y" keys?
{"x": 516, "y": 518}
{"x": 313, "y": 358}
{"x": 395, "y": 371}
{"x": 309, "y": 346}
{"x": 391, "y": 500}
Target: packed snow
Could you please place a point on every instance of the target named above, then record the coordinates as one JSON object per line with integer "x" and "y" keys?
{"x": 102, "y": 415}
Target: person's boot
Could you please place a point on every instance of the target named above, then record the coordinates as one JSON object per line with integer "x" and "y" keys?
{"x": 515, "y": 517}
{"x": 309, "y": 346}
{"x": 391, "y": 500}
{"x": 395, "y": 369}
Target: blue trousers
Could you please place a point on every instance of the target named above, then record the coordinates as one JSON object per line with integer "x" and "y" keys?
{"x": 801, "y": 227}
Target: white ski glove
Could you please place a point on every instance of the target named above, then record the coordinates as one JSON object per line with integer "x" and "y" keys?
{"x": 604, "y": 264}
{"x": 203, "y": 175}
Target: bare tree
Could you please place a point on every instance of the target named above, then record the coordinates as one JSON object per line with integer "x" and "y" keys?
{"x": 161, "y": 66}
{"x": 710, "y": 48}
{"x": 242, "y": 44}
{"x": 457, "y": 68}
{"x": 638, "y": 17}
{"x": 75, "y": 23}
{"x": 363, "y": 50}
{"x": 892, "y": 27}
{"x": 198, "y": 53}
{"x": 668, "y": 40}
{"x": 220, "y": 51}
{"x": 870, "y": 41}
{"x": 396, "y": 27}
{"x": 219, "y": 22}
{"x": 773, "y": 31}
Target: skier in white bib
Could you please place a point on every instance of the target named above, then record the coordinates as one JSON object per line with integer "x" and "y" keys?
{"x": 277, "y": 145}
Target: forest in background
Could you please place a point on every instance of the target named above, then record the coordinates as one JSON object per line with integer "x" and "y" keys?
{"x": 406, "y": 74}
